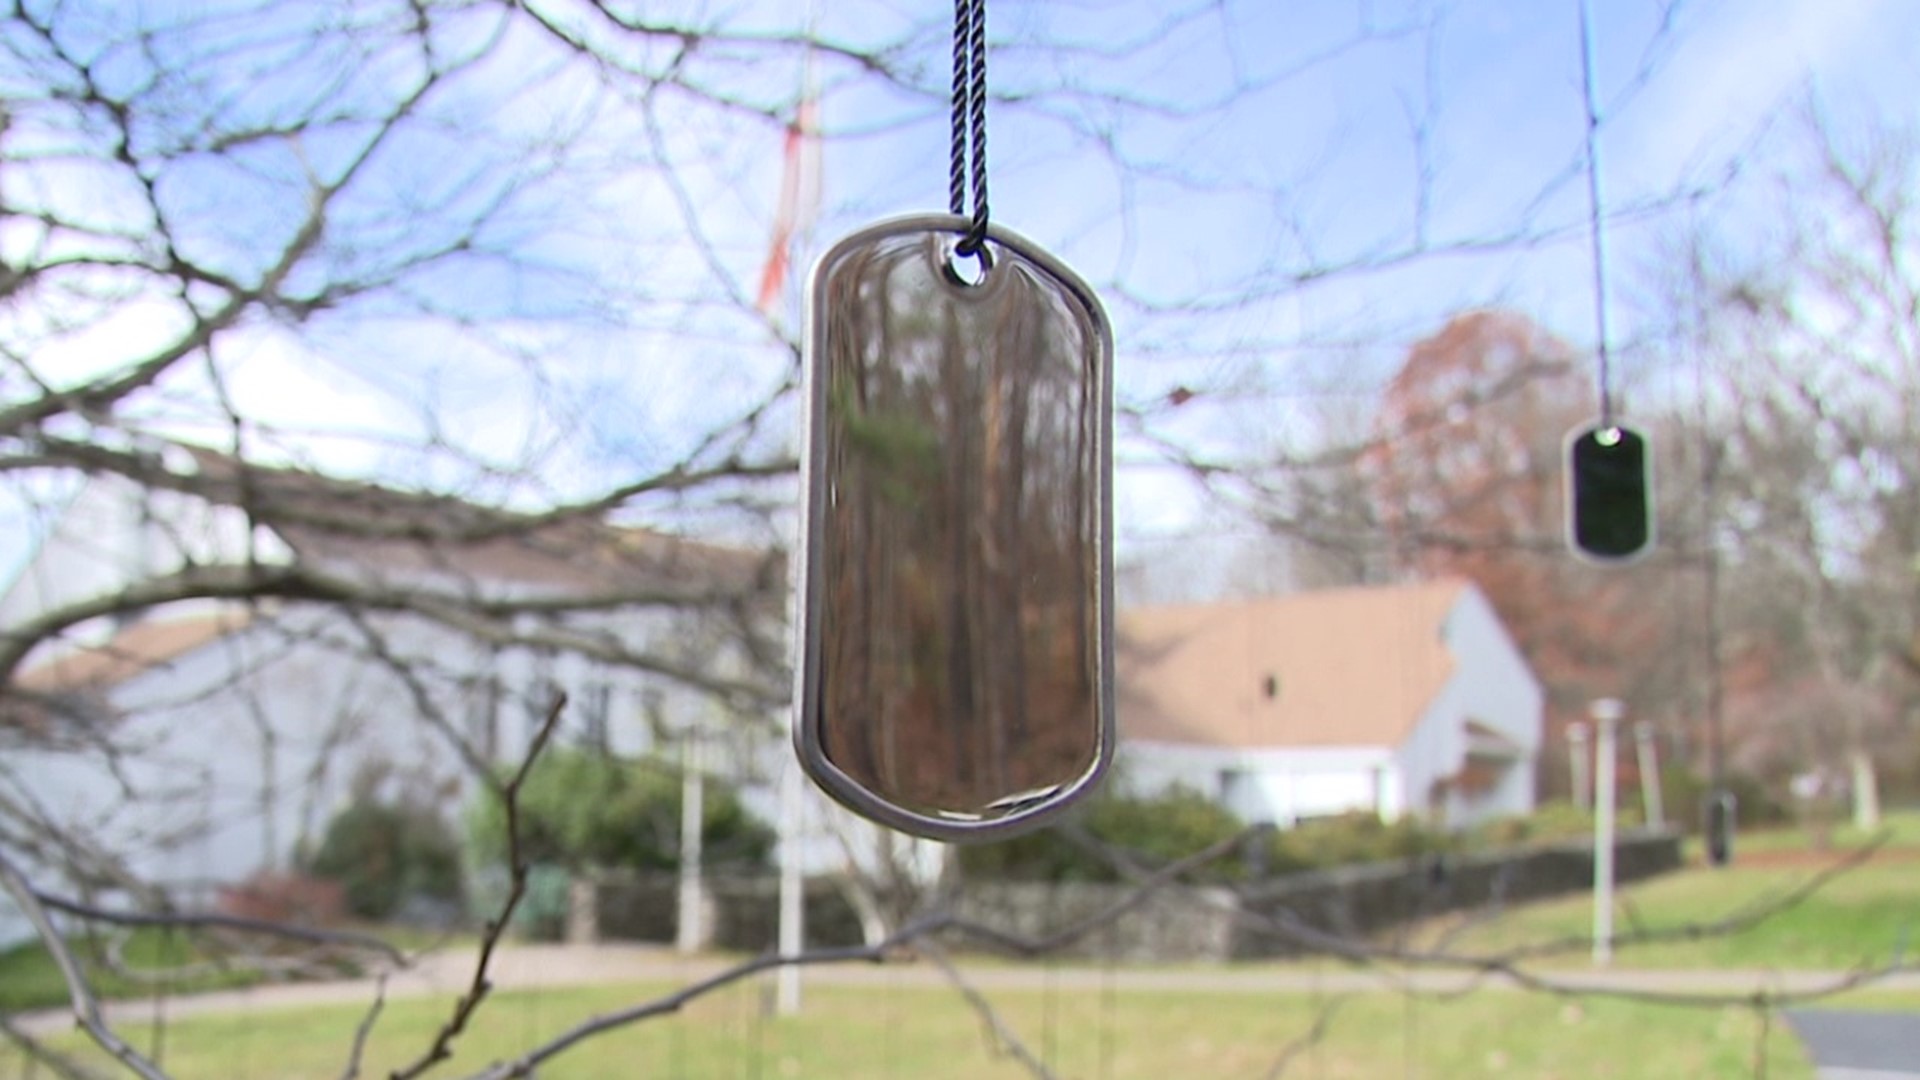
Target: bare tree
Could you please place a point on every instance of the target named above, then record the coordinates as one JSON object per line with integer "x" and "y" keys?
{"x": 1807, "y": 350}
{"x": 370, "y": 373}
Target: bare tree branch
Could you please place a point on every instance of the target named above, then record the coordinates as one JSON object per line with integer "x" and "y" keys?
{"x": 1001, "y": 1035}
{"x": 61, "y": 1064}
{"x": 364, "y": 1030}
{"x": 481, "y": 986}
{"x": 86, "y": 1007}
{"x": 191, "y": 921}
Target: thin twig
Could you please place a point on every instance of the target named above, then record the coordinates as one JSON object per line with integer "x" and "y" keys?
{"x": 86, "y": 1007}
{"x": 524, "y": 1065}
{"x": 1002, "y": 1034}
{"x": 60, "y": 1063}
{"x": 477, "y": 991}
{"x": 878, "y": 952}
{"x": 1310, "y": 1038}
{"x": 185, "y": 921}
{"x": 1749, "y": 915}
{"x": 361, "y": 1033}
{"x": 1145, "y": 886}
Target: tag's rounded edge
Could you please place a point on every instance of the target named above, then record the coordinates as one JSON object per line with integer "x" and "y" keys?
{"x": 1581, "y": 431}
{"x": 843, "y": 788}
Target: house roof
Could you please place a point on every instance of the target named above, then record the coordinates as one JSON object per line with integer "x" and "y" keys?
{"x": 402, "y": 536}
{"x": 1340, "y": 667}
{"x": 405, "y": 533}
{"x": 135, "y": 648}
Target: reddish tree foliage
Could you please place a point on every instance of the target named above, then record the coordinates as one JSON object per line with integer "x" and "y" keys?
{"x": 1467, "y": 472}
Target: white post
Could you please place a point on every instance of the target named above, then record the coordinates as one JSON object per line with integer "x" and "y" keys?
{"x": 1866, "y": 794}
{"x": 1651, "y": 799}
{"x": 1606, "y": 714}
{"x": 792, "y": 895}
{"x": 1577, "y": 762}
{"x": 688, "y": 935}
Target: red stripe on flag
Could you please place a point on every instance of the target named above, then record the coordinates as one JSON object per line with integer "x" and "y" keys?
{"x": 774, "y": 277}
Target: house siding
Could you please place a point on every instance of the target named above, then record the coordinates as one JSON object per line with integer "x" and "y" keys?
{"x": 1280, "y": 786}
{"x": 1493, "y": 687}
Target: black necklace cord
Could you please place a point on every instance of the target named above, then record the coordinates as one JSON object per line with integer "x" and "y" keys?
{"x": 969, "y": 122}
{"x": 1595, "y": 224}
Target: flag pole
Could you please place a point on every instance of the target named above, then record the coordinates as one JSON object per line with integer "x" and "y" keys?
{"x": 793, "y": 225}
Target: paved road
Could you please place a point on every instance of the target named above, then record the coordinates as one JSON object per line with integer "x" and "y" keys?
{"x": 552, "y": 966}
{"x": 1848, "y": 1045}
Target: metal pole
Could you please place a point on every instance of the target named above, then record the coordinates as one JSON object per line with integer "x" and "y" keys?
{"x": 1606, "y": 714}
{"x": 792, "y": 896}
{"x": 688, "y": 936}
{"x": 1577, "y": 762}
{"x": 1720, "y": 804}
{"x": 1651, "y": 798}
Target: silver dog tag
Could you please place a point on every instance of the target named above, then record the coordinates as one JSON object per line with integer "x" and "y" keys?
{"x": 955, "y": 638}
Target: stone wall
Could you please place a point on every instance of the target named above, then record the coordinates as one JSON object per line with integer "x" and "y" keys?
{"x": 1362, "y": 900}
{"x": 1175, "y": 923}
{"x": 740, "y": 914}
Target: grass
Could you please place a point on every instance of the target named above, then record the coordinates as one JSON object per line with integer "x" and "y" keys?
{"x": 1901, "y": 829}
{"x": 29, "y": 979}
{"x": 1863, "y": 915}
{"x": 887, "y": 1032}
{"x": 907, "y": 1029}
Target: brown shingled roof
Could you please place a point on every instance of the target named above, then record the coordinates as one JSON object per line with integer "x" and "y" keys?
{"x": 403, "y": 533}
{"x": 138, "y": 647}
{"x": 1345, "y": 667}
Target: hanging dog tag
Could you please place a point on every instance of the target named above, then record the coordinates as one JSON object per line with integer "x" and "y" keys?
{"x": 955, "y": 634}
{"x": 1609, "y": 493}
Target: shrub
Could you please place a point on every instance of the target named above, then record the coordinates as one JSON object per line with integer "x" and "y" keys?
{"x": 1151, "y": 830}
{"x": 385, "y": 853}
{"x": 1685, "y": 796}
{"x": 1354, "y": 837}
{"x": 582, "y": 810}
{"x": 285, "y": 898}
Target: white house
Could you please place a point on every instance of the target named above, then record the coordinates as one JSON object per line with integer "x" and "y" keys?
{"x": 193, "y": 743}
{"x": 1391, "y": 700}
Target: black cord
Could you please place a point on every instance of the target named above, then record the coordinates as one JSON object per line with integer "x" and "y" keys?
{"x": 1594, "y": 218}
{"x": 969, "y": 121}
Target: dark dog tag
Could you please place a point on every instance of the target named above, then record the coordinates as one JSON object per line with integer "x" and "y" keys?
{"x": 1610, "y": 493}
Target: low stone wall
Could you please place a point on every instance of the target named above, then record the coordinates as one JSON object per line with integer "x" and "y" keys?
{"x": 1175, "y": 923}
{"x": 1361, "y": 900}
{"x": 741, "y": 914}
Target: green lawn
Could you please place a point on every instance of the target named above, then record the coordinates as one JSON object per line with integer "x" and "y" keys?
{"x": 1862, "y": 915}
{"x": 913, "y": 1031}
{"x": 906, "y": 1029}
{"x": 1900, "y": 827}
{"x": 29, "y": 979}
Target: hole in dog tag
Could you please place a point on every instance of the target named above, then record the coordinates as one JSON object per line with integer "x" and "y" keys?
{"x": 955, "y": 633}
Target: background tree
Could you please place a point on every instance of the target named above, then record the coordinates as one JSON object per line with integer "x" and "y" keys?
{"x": 583, "y": 810}
{"x": 1808, "y": 351}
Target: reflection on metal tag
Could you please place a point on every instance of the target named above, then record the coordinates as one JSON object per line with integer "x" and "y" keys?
{"x": 955, "y": 635}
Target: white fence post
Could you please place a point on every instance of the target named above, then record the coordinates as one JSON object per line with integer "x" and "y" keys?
{"x": 1606, "y": 714}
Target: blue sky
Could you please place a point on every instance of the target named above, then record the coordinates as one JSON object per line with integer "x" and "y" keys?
{"x": 1317, "y": 166}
